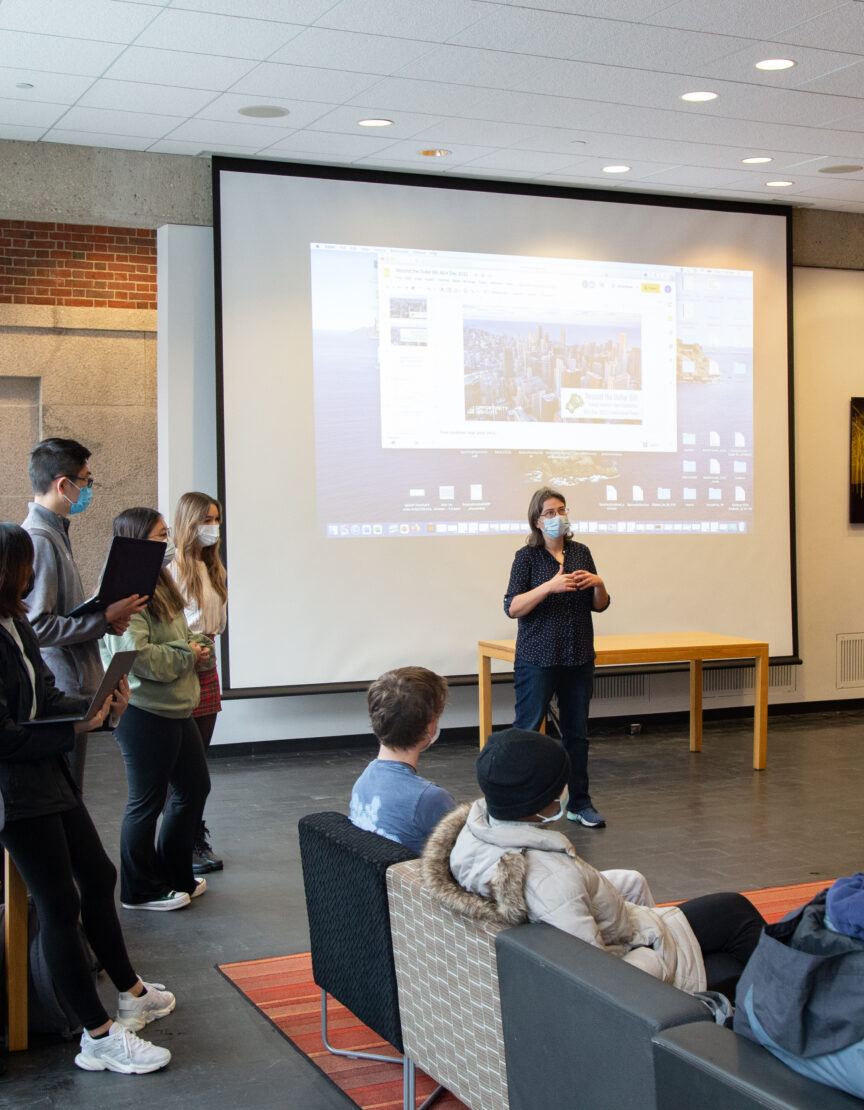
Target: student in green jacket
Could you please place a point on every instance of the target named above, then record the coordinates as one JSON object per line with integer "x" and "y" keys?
{"x": 160, "y": 742}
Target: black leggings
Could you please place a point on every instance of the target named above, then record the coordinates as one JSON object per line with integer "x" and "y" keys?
{"x": 160, "y": 752}
{"x": 53, "y": 854}
{"x": 727, "y": 927}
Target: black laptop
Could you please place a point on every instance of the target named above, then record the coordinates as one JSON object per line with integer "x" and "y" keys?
{"x": 132, "y": 567}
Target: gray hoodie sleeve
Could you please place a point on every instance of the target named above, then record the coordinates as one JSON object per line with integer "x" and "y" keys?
{"x": 52, "y": 628}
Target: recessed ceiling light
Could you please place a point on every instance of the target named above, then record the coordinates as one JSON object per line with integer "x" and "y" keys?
{"x": 263, "y": 111}
{"x": 616, "y": 169}
{"x": 779, "y": 184}
{"x": 700, "y": 97}
{"x": 374, "y": 122}
{"x": 24, "y": 85}
{"x": 841, "y": 169}
{"x": 756, "y": 161}
{"x": 775, "y": 63}
{"x": 435, "y": 152}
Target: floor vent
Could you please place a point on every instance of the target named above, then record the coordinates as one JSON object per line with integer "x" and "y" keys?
{"x": 620, "y": 686}
{"x": 850, "y": 660}
{"x": 720, "y": 681}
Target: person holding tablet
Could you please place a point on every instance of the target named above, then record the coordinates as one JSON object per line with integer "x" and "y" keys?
{"x": 46, "y": 829}
{"x": 160, "y": 742}
{"x": 62, "y": 487}
{"x": 553, "y": 591}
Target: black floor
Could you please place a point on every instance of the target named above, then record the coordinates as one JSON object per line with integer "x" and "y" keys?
{"x": 691, "y": 823}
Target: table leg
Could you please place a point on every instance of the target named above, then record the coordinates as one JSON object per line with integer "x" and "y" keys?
{"x": 760, "y": 713}
{"x": 15, "y": 928}
{"x": 695, "y": 705}
{"x": 484, "y": 685}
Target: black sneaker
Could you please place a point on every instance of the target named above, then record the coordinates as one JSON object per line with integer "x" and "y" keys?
{"x": 204, "y": 858}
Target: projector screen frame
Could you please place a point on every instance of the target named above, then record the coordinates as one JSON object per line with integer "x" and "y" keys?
{"x": 228, "y": 164}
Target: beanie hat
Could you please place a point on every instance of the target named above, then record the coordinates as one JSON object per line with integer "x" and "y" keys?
{"x": 521, "y": 772}
{"x": 845, "y": 905}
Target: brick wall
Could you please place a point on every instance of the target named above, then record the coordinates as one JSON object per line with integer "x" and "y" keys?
{"x": 77, "y": 265}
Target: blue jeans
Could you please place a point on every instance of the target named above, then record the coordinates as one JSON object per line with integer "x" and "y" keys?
{"x": 574, "y": 686}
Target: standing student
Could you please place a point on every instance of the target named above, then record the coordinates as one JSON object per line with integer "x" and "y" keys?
{"x": 198, "y": 571}
{"x": 160, "y": 742}
{"x": 554, "y": 589}
{"x": 52, "y": 840}
{"x": 62, "y": 487}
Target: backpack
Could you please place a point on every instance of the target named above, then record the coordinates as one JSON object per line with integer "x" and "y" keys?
{"x": 47, "y": 1009}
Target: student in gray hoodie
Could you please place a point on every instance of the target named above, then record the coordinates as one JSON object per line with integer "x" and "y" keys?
{"x": 62, "y": 487}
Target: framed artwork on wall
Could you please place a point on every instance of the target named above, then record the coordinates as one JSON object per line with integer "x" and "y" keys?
{"x": 856, "y": 461}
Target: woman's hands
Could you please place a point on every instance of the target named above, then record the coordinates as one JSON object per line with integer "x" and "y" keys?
{"x": 575, "y": 580}
{"x": 96, "y": 721}
{"x": 202, "y": 654}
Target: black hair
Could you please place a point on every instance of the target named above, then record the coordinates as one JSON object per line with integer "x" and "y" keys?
{"x": 16, "y": 566}
{"x": 53, "y": 457}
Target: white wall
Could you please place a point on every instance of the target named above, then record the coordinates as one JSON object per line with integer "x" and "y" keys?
{"x": 829, "y": 365}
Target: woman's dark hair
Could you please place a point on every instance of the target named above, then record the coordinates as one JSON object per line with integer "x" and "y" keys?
{"x": 137, "y": 524}
{"x": 16, "y": 567}
{"x": 53, "y": 457}
{"x": 535, "y": 508}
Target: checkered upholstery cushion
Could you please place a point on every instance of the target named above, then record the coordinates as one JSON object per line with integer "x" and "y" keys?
{"x": 448, "y": 992}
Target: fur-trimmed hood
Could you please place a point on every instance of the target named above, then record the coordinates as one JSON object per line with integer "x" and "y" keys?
{"x": 514, "y": 872}
{"x": 505, "y": 902}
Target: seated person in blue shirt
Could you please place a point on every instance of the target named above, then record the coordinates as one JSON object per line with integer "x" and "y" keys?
{"x": 390, "y": 798}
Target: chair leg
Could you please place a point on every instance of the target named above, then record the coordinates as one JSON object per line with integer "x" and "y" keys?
{"x": 342, "y": 1051}
{"x": 408, "y": 1088}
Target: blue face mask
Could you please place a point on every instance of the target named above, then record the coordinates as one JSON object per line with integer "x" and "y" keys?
{"x": 85, "y": 496}
{"x": 556, "y": 527}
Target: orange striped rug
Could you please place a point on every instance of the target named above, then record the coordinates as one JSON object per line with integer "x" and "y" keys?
{"x": 282, "y": 989}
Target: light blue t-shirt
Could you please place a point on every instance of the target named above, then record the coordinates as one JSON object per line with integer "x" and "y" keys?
{"x": 391, "y": 799}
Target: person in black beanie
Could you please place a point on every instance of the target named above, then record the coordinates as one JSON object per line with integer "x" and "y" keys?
{"x": 500, "y": 850}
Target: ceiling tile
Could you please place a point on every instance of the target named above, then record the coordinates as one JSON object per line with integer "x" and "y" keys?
{"x": 765, "y": 19}
{"x": 304, "y": 83}
{"x": 175, "y": 146}
{"x": 35, "y": 114}
{"x": 132, "y": 96}
{"x": 607, "y": 41}
{"x": 97, "y": 19}
{"x": 54, "y": 54}
{"x": 60, "y": 88}
{"x": 809, "y": 64}
{"x": 215, "y": 133}
{"x": 410, "y": 19}
{"x": 110, "y": 122}
{"x": 634, "y": 10}
{"x": 409, "y": 152}
{"x": 202, "y": 33}
{"x": 339, "y": 146}
{"x": 528, "y": 161}
{"x": 841, "y": 28}
{"x": 848, "y": 81}
{"x": 97, "y": 139}
{"x": 175, "y": 67}
{"x": 318, "y": 46}
{"x": 20, "y": 134}
{"x": 696, "y": 177}
{"x": 344, "y": 119}
{"x": 226, "y": 108}
{"x": 486, "y": 132}
{"x": 282, "y": 11}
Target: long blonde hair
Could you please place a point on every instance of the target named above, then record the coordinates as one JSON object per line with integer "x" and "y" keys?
{"x": 191, "y": 510}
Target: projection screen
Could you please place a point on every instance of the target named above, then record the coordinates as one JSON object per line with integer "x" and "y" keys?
{"x": 404, "y": 360}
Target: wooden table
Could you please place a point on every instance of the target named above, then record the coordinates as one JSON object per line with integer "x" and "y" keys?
{"x": 15, "y": 930}
{"x": 656, "y": 647}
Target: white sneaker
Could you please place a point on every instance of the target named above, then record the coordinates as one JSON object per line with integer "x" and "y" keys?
{"x": 173, "y": 900}
{"x": 200, "y": 887}
{"x": 136, "y": 1012}
{"x": 122, "y": 1050}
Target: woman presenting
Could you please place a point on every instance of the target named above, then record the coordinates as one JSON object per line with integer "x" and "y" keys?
{"x": 554, "y": 588}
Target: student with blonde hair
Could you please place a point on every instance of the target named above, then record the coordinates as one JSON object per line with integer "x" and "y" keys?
{"x": 199, "y": 573}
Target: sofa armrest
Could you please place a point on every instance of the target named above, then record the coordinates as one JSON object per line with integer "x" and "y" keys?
{"x": 579, "y": 1021}
{"x": 715, "y": 1069}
